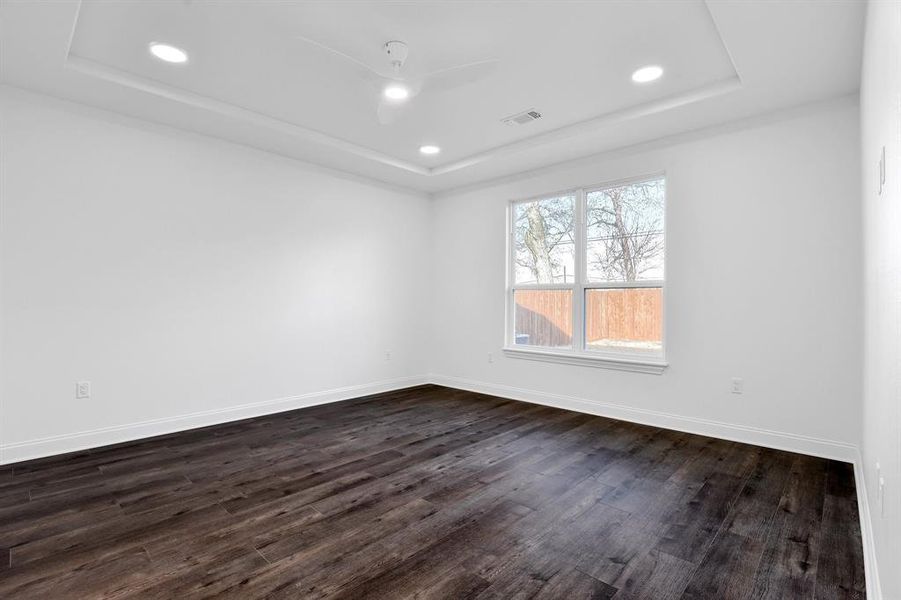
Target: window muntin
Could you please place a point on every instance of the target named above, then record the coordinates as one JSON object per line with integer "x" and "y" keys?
{"x": 587, "y": 271}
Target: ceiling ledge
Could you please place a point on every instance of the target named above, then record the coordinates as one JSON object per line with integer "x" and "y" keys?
{"x": 657, "y": 143}
{"x": 100, "y": 71}
{"x": 595, "y": 123}
{"x": 111, "y": 74}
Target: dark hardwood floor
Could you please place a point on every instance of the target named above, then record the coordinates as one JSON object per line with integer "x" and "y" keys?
{"x": 430, "y": 493}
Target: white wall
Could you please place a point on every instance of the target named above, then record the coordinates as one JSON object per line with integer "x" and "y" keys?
{"x": 194, "y": 281}
{"x": 183, "y": 275}
{"x": 880, "y": 107}
{"x": 763, "y": 282}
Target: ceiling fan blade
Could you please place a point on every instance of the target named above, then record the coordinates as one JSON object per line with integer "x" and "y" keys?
{"x": 389, "y": 112}
{"x": 414, "y": 85}
{"x": 366, "y": 70}
{"x": 447, "y": 79}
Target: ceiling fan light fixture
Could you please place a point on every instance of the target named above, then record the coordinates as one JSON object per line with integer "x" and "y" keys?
{"x": 429, "y": 149}
{"x": 168, "y": 53}
{"x": 396, "y": 92}
{"x": 647, "y": 74}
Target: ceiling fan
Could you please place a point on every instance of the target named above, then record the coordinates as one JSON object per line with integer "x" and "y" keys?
{"x": 396, "y": 87}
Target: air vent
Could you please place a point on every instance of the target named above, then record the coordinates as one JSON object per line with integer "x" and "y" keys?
{"x": 522, "y": 118}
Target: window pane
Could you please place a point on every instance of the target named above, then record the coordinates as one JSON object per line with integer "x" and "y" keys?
{"x": 543, "y": 318}
{"x": 625, "y": 232}
{"x": 544, "y": 241}
{"x": 624, "y": 320}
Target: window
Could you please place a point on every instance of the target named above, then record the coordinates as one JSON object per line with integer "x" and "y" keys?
{"x": 544, "y": 271}
{"x": 587, "y": 274}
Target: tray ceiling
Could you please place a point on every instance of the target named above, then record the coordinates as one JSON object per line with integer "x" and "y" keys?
{"x": 254, "y": 77}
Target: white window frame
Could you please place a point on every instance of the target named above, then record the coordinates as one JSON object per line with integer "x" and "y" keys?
{"x": 579, "y": 354}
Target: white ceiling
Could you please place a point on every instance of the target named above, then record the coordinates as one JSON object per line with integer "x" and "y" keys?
{"x": 253, "y": 80}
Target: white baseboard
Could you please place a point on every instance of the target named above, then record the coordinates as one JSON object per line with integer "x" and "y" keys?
{"x": 39, "y": 448}
{"x": 49, "y": 446}
{"x": 874, "y": 590}
{"x": 727, "y": 431}
{"x": 739, "y": 433}
{"x": 60, "y": 444}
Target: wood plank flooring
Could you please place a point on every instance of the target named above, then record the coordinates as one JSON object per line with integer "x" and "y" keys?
{"x": 430, "y": 493}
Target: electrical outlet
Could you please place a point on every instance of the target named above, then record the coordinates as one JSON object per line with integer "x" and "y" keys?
{"x": 387, "y": 355}
{"x": 738, "y": 385}
{"x": 490, "y": 358}
{"x": 82, "y": 390}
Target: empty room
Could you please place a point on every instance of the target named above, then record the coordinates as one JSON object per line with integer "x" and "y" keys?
{"x": 451, "y": 299}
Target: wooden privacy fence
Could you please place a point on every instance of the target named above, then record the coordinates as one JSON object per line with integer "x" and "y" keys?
{"x": 545, "y": 316}
{"x": 629, "y": 315}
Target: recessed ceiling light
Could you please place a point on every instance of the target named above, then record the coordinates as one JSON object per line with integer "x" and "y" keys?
{"x": 168, "y": 53}
{"x": 396, "y": 91}
{"x": 647, "y": 74}
{"x": 429, "y": 149}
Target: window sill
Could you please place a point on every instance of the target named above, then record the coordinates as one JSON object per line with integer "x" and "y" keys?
{"x": 653, "y": 366}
